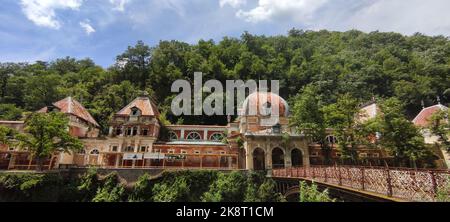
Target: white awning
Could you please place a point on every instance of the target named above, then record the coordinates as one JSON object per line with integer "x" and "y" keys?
{"x": 132, "y": 156}
{"x": 154, "y": 156}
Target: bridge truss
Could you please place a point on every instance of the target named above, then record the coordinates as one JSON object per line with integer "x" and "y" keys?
{"x": 406, "y": 184}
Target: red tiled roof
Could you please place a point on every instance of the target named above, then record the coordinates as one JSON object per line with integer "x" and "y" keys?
{"x": 143, "y": 103}
{"x": 72, "y": 106}
{"x": 423, "y": 118}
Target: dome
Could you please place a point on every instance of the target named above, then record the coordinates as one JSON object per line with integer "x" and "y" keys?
{"x": 265, "y": 104}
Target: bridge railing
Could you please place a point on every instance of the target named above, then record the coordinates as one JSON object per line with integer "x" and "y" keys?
{"x": 408, "y": 184}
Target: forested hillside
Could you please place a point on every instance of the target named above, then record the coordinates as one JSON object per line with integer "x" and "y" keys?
{"x": 383, "y": 65}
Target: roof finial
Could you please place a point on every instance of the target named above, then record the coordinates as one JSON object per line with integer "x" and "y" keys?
{"x": 423, "y": 104}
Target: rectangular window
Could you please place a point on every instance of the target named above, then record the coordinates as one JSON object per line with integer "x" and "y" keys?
{"x": 114, "y": 148}
{"x": 143, "y": 148}
{"x": 145, "y": 132}
{"x": 129, "y": 149}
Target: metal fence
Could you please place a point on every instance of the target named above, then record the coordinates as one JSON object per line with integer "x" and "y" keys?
{"x": 407, "y": 184}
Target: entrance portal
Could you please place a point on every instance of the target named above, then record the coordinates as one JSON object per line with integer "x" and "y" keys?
{"x": 296, "y": 158}
{"x": 259, "y": 159}
{"x": 277, "y": 158}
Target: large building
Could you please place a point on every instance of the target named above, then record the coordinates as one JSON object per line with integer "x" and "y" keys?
{"x": 423, "y": 120}
{"x": 260, "y": 138}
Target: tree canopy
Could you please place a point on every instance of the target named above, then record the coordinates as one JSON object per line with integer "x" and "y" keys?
{"x": 412, "y": 68}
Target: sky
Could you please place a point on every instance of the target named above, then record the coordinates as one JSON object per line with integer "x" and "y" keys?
{"x": 44, "y": 30}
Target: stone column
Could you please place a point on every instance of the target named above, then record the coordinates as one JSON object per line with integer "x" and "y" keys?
{"x": 205, "y": 134}
{"x": 117, "y": 161}
{"x": 248, "y": 156}
{"x": 182, "y": 134}
{"x": 305, "y": 155}
{"x": 268, "y": 158}
{"x": 287, "y": 158}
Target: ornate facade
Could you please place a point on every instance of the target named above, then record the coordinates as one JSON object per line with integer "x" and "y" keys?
{"x": 260, "y": 138}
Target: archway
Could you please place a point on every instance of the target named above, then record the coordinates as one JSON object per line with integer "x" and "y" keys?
{"x": 296, "y": 158}
{"x": 259, "y": 159}
{"x": 277, "y": 158}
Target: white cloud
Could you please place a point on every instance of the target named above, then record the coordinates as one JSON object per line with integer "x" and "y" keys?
{"x": 119, "y": 5}
{"x": 87, "y": 27}
{"x": 232, "y": 3}
{"x": 42, "y": 12}
{"x": 298, "y": 10}
{"x": 430, "y": 17}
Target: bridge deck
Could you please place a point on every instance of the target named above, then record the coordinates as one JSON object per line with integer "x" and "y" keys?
{"x": 389, "y": 184}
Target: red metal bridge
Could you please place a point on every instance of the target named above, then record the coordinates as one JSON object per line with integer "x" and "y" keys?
{"x": 395, "y": 183}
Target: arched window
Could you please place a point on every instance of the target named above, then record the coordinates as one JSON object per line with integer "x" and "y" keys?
{"x": 193, "y": 136}
{"x": 331, "y": 139}
{"x": 94, "y": 152}
{"x": 216, "y": 137}
{"x": 135, "y": 111}
{"x": 267, "y": 109}
{"x": 82, "y": 152}
{"x": 173, "y": 136}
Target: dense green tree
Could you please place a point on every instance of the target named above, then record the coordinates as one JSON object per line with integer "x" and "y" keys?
{"x": 363, "y": 65}
{"x": 88, "y": 185}
{"x": 142, "y": 190}
{"x": 399, "y": 135}
{"x": 178, "y": 191}
{"x": 311, "y": 193}
{"x": 45, "y": 134}
{"x": 41, "y": 91}
{"x": 227, "y": 188}
{"x": 6, "y": 134}
{"x": 10, "y": 112}
{"x": 111, "y": 190}
{"x": 308, "y": 117}
{"x": 440, "y": 126}
{"x": 134, "y": 64}
{"x": 343, "y": 116}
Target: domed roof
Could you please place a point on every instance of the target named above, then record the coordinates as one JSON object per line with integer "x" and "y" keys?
{"x": 265, "y": 104}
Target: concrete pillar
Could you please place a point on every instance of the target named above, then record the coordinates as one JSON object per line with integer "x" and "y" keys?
{"x": 110, "y": 131}
{"x": 305, "y": 153}
{"x": 182, "y": 134}
{"x": 268, "y": 152}
{"x": 248, "y": 157}
{"x": 205, "y": 134}
{"x": 249, "y": 161}
{"x": 287, "y": 158}
{"x": 117, "y": 161}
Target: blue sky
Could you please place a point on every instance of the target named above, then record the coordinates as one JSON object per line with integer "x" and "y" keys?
{"x": 101, "y": 29}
